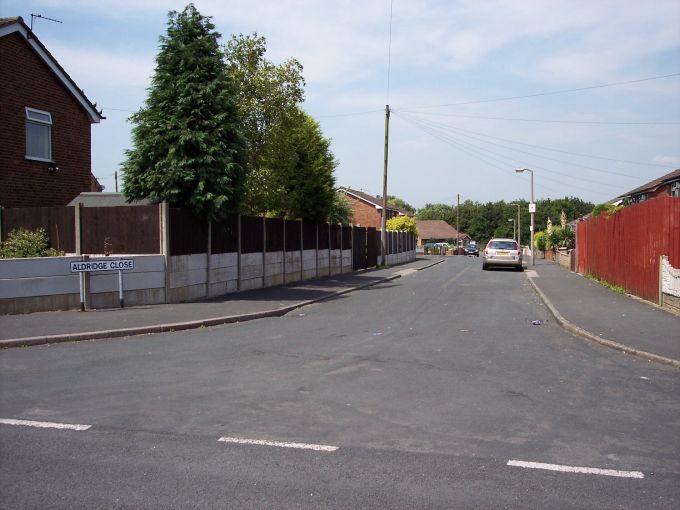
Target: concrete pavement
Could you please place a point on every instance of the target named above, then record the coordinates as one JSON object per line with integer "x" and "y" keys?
{"x": 616, "y": 320}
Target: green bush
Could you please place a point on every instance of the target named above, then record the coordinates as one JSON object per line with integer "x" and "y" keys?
{"x": 24, "y": 243}
{"x": 561, "y": 238}
{"x": 608, "y": 209}
{"x": 540, "y": 240}
{"x": 402, "y": 223}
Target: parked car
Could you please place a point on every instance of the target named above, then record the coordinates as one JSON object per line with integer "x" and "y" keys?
{"x": 472, "y": 249}
{"x": 502, "y": 253}
{"x": 435, "y": 248}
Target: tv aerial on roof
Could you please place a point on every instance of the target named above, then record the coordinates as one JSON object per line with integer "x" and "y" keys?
{"x": 33, "y": 16}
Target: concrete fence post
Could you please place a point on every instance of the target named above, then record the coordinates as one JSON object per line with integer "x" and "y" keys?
{"x": 164, "y": 225}
{"x": 264, "y": 251}
{"x": 238, "y": 255}
{"x": 78, "y": 226}
{"x": 284, "y": 251}
{"x": 208, "y": 260}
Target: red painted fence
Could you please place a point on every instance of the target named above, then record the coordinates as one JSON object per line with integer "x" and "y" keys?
{"x": 624, "y": 248}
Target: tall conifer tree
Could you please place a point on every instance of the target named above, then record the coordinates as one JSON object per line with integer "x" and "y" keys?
{"x": 187, "y": 146}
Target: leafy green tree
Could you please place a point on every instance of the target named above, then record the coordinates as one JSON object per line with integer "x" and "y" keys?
{"x": 341, "y": 210}
{"x": 401, "y": 203}
{"x": 187, "y": 146}
{"x": 305, "y": 177}
{"x": 269, "y": 99}
{"x": 437, "y": 212}
{"x": 402, "y": 223}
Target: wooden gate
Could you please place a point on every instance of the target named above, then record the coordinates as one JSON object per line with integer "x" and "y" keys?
{"x": 359, "y": 258}
{"x": 372, "y": 240}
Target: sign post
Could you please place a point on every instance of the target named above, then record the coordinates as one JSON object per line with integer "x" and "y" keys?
{"x": 92, "y": 265}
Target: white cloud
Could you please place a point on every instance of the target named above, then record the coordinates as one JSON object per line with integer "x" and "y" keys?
{"x": 668, "y": 160}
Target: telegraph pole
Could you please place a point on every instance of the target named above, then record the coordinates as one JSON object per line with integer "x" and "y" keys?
{"x": 383, "y": 226}
{"x": 458, "y": 224}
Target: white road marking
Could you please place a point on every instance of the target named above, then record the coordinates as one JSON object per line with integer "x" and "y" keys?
{"x": 280, "y": 444}
{"x": 44, "y": 424}
{"x": 531, "y": 273}
{"x": 576, "y": 469}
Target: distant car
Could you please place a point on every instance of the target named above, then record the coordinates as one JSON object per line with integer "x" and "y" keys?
{"x": 502, "y": 253}
{"x": 472, "y": 249}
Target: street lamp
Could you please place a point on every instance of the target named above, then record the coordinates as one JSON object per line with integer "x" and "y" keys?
{"x": 514, "y": 236}
{"x": 532, "y": 210}
{"x": 519, "y": 226}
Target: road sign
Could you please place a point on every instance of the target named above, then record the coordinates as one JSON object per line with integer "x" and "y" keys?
{"x": 532, "y": 208}
{"x": 102, "y": 265}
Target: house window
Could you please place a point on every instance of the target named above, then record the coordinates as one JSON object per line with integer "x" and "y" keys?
{"x": 675, "y": 189}
{"x": 38, "y": 135}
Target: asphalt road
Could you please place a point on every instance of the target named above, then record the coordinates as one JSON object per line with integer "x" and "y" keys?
{"x": 429, "y": 391}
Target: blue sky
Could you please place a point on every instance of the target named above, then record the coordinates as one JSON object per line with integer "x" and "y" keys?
{"x": 443, "y": 53}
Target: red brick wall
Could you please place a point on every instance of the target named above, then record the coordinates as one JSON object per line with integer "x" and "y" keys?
{"x": 27, "y": 81}
{"x": 365, "y": 215}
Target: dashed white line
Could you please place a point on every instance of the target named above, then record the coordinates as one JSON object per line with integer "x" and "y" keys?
{"x": 280, "y": 444}
{"x": 44, "y": 424}
{"x": 576, "y": 469}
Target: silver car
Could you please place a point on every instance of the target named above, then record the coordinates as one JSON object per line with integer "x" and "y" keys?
{"x": 502, "y": 253}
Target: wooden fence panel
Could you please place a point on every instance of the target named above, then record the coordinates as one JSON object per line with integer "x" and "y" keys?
{"x": 58, "y": 222}
{"x": 309, "y": 235}
{"x": 251, "y": 234}
{"x": 132, "y": 229}
{"x": 225, "y": 236}
{"x": 346, "y": 237}
{"x": 372, "y": 247}
{"x": 293, "y": 235}
{"x": 188, "y": 234}
{"x": 624, "y": 248}
{"x": 324, "y": 239}
{"x": 335, "y": 237}
{"x": 359, "y": 255}
{"x": 275, "y": 238}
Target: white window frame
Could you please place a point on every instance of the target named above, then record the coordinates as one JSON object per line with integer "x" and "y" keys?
{"x": 40, "y": 122}
{"x": 675, "y": 189}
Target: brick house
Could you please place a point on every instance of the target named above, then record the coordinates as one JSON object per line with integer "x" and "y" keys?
{"x": 668, "y": 184}
{"x": 45, "y": 140}
{"x": 367, "y": 209}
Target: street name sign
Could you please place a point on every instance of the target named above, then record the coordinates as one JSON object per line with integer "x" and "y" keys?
{"x": 102, "y": 265}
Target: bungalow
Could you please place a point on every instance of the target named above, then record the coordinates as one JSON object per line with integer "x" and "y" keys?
{"x": 435, "y": 231}
{"x": 45, "y": 140}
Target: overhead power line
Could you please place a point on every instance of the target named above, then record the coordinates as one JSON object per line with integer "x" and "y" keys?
{"x": 541, "y": 94}
{"x": 552, "y": 149}
{"x": 554, "y": 121}
{"x": 487, "y": 156}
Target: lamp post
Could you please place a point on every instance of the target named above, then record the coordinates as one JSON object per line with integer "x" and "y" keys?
{"x": 514, "y": 235}
{"x": 519, "y": 226}
{"x": 532, "y": 210}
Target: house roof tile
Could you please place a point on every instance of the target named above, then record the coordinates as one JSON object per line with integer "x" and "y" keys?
{"x": 436, "y": 229}
{"x": 372, "y": 200}
{"x": 653, "y": 185}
